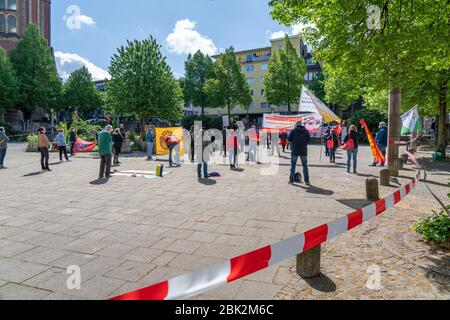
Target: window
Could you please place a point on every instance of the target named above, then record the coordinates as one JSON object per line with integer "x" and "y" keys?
{"x": 251, "y": 107}
{"x": 251, "y": 92}
{"x": 265, "y": 66}
{"x": 2, "y": 24}
{"x": 12, "y": 4}
{"x": 262, "y": 80}
{"x": 265, "y": 105}
{"x": 249, "y": 68}
{"x": 250, "y": 81}
{"x": 250, "y": 57}
{"x": 12, "y": 24}
{"x": 280, "y": 46}
{"x": 2, "y": 4}
{"x": 262, "y": 92}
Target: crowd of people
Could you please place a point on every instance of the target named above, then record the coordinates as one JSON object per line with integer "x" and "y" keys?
{"x": 110, "y": 143}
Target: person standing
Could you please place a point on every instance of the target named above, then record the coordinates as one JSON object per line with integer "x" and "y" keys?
{"x": 62, "y": 145}
{"x": 192, "y": 133}
{"x": 284, "y": 140}
{"x": 171, "y": 142}
{"x": 3, "y": 147}
{"x": 253, "y": 144}
{"x": 105, "y": 151}
{"x": 203, "y": 151}
{"x": 327, "y": 133}
{"x": 224, "y": 141}
{"x": 299, "y": 139}
{"x": 150, "y": 139}
{"x": 344, "y": 131}
{"x": 381, "y": 140}
{"x": 43, "y": 147}
{"x": 232, "y": 142}
{"x": 433, "y": 130}
{"x": 73, "y": 141}
{"x": 332, "y": 144}
{"x": 351, "y": 145}
{"x": 117, "y": 140}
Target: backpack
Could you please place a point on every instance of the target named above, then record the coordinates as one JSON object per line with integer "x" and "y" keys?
{"x": 298, "y": 177}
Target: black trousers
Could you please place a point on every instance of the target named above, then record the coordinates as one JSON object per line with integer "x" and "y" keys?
{"x": 72, "y": 147}
{"x": 105, "y": 165}
{"x": 45, "y": 155}
{"x": 63, "y": 150}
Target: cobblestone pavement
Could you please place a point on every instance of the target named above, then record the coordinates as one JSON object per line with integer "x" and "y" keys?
{"x": 132, "y": 232}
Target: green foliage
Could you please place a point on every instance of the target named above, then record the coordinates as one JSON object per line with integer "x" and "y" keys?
{"x": 341, "y": 86}
{"x": 373, "y": 117}
{"x": 80, "y": 92}
{"x": 84, "y": 130}
{"x": 198, "y": 69}
{"x": 32, "y": 139}
{"x": 132, "y": 136}
{"x": 209, "y": 122}
{"x": 436, "y": 227}
{"x": 317, "y": 86}
{"x": 8, "y": 83}
{"x": 142, "y": 83}
{"x": 39, "y": 84}
{"x": 228, "y": 88}
{"x": 285, "y": 78}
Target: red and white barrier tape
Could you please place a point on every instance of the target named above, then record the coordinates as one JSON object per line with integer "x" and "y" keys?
{"x": 209, "y": 278}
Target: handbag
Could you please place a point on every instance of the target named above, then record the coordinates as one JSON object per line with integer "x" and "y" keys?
{"x": 349, "y": 145}
{"x": 330, "y": 144}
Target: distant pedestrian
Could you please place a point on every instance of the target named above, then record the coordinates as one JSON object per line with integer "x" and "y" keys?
{"x": 332, "y": 144}
{"x": 73, "y": 141}
{"x": 344, "y": 131}
{"x": 232, "y": 146}
{"x": 253, "y": 144}
{"x": 299, "y": 139}
{"x": 433, "y": 130}
{"x": 117, "y": 140}
{"x": 224, "y": 141}
{"x": 382, "y": 141}
{"x": 284, "y": 140}
{"x": 327, "y": 132}
{"x": 105, "y": 151}
{"x": 192, "y": 133}
{"x": 150, "y": 140}
{"x": 351, "y": 145}
{"x": 62, "y": 145}
{"x": 172, "y": 142}
{"x": 203, "y": 150}
{"x": 3, "y": 147}
{"x": 43, "y": 147}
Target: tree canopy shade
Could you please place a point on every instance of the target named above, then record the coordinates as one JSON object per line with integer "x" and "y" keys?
{"x": 286, "y": 75}
{"x": 39, "y": 84}
{"x": 142, "y": 83}
{"x": 408, "y": 39}
{"x": 198, "y": 69}
{"x": 228, "y": 87}
{"x": 8, "y": 83}
{"x": 80, "y": 92}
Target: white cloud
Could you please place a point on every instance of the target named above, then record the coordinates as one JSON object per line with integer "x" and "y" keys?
{"x": 295, "y": 30}
{"x": 83, "y": 19}
{"x": 184, "y": 39}
{"x": 277, "y": 35}
{"x": 69, "y": 62}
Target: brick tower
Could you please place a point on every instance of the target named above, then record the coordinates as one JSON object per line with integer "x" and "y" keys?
{"x": 15, "y": 15}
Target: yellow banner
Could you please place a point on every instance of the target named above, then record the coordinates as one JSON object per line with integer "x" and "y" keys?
{"x": 161, "y": 136}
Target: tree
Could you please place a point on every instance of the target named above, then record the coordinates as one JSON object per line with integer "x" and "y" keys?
{"x": 317, "y": 86}
{"x": 198, "y": 69}
{"x": 39, "y": 84}
{"x": 142, "y": 83}
{"x": 228, "y": 87}
{"x": 80, "y": 92}
{"x": 384, "y": 53}
{"x": 286, "y": 75}
{"x": 8, "y": 83}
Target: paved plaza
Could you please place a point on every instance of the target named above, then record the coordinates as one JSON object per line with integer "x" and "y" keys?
{"x": 131, "y": 232}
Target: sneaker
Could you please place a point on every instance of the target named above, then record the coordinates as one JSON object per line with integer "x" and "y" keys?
{"x": 308, "y": 184}
{"x": 291, "y": 182}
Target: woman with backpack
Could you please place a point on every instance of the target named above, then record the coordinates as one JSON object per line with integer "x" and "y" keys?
{"x": 332, "y": 144}
{"x": 351, "y": 146}
{"x": 117, "y": 140}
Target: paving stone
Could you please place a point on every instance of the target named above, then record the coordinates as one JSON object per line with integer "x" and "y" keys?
{"x": 184, "y": 246}
{"x": 115, "y": 250}
{"x": 130, "y": 271}
{"x": 21, "y": 271}
{"x": 14, "y": 291}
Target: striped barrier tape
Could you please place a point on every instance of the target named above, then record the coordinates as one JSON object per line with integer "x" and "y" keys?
{"x": 197, "y": 282}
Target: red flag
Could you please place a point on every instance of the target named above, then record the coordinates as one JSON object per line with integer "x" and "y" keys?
{"x": 84, "y": 146}
{"x": 377, "y": 154}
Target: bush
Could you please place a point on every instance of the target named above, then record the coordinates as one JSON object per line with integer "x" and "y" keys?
{"x": 10, "y": 131}
{"x": 85, "y": 130}
{"x": 435, "y": 228}
{"x": 373, "y": 117}
{"x": 32, "y": 139}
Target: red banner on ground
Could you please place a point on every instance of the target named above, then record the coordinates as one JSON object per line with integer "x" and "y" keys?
{"x": 377, "y": 154}
{"x": 84, "y": 146}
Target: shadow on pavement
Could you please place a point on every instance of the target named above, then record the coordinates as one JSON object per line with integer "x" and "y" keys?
{"x": 355, "y": 203}
{"x": 207, "y": 182}
{"x": 323, "y": 283}
{"x": 238, "y": 169}
{"x": 33, "y": 174}
{"x": 99, "y": 182}
{"x": 316, "y": 190}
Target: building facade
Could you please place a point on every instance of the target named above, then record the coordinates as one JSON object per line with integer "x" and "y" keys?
{"x": 255, "y": 65}
{"x": 15, "y": 15}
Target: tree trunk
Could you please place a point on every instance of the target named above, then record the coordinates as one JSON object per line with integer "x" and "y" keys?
{"x": 442, "y": 142}
{"x": 289, "y": 108}
{"x": 203, "y": 111}
{"x": 394, "y": 130}
{"x": 229, "y": 110}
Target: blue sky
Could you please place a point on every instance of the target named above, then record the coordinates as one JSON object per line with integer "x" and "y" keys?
{"x": 88, "y": 32}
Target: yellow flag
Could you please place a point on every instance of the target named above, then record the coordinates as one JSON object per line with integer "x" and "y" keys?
{"x": 162, "y": 134}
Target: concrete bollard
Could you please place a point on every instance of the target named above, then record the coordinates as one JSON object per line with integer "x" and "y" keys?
{"x": 372, "y": 189}
{"x": 308, "y": 263}
{"x": 405, "y": 158}
{"x": 400, "y": 164}
{"x": 385, "y": 177}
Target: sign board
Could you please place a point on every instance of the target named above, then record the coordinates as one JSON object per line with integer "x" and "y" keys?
{"x": 226, "y": 121}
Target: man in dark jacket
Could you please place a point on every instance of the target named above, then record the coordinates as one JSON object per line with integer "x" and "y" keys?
{"x": 3, "y": 146}
{"x": 72, "y": 140}
{"x": 299, "y": 139}
{"x": 382, "y": 141}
